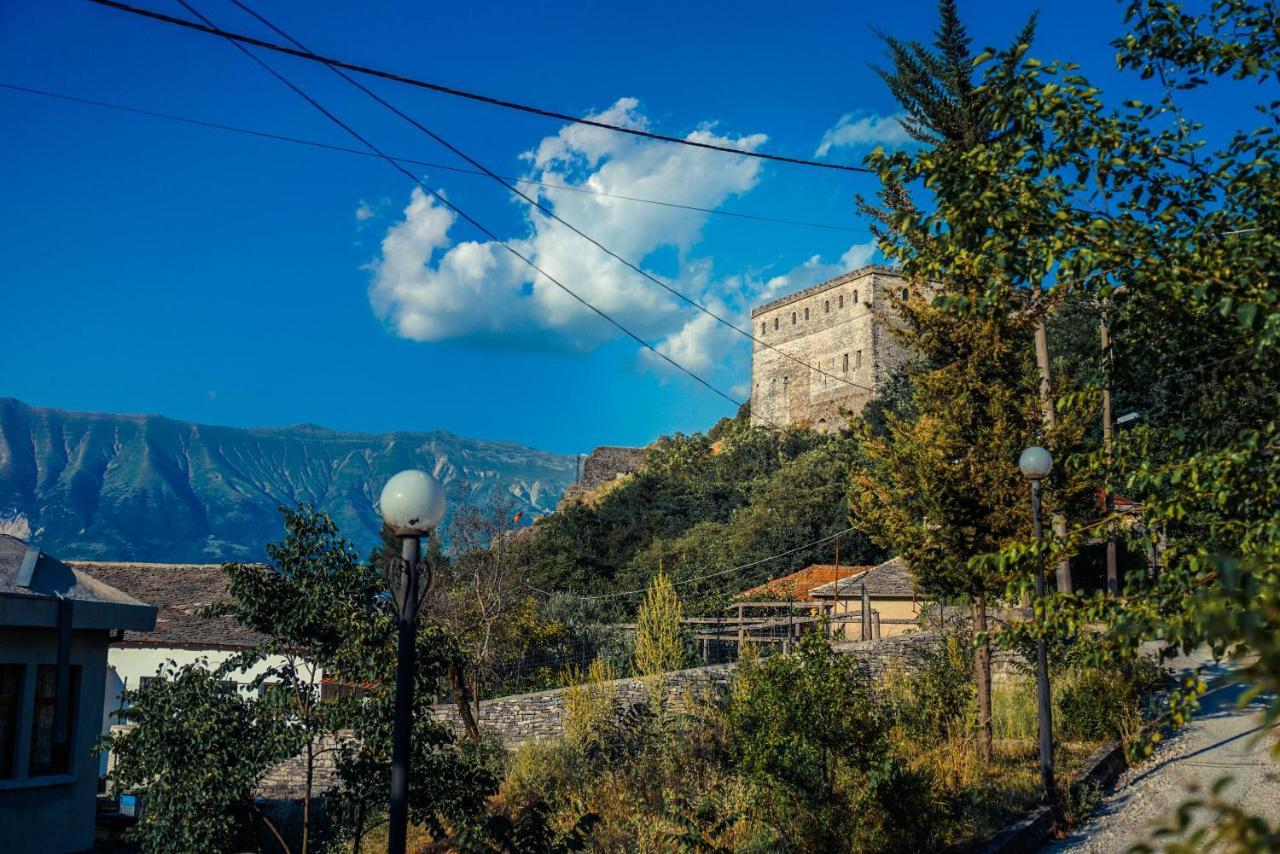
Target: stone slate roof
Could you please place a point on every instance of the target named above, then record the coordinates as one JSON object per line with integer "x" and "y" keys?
{"x": 179, "y": 591}
{"x": 799, "y": 585}
{"x": 889, "y": 580}
{"x": 96, "y": 605}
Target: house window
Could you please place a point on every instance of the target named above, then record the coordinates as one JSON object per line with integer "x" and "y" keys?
{"x": 846, "y": 361}
{"x": 806, "y": 313}
{"x": 841, "y": 303}
{"x": 855, "y": 297}
{"x": 857, "y": 359}
{"x": 793, "y": 318}
{"x": 10, "y": 702}
{"x": 775, "y": 323}
{"x": 826, "y": 306}
{"x": 763, "y": 327}
{"x": 47, "y": 755}
{"x": 905, "y": 294}
{"x": 333, "y": 690}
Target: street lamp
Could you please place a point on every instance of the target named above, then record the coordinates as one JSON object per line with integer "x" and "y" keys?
{"x": 412, "y": 505}
{"x": 1036, "y": 463}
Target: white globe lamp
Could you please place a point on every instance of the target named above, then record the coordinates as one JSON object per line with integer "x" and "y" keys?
{"x": 412, "y": 504}
{"x": 1036, "y": 463}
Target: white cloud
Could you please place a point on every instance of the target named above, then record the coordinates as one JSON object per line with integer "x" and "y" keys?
{"x": 429, "y": 285}
{"x": 864, "y": 129}
{"x": 364, "y": 211}
{"x": 431, "y": 288}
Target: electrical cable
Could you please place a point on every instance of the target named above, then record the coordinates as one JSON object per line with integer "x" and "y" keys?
{"x": 462, "y": 93}
{"x": 684, "y": 581}
{"x": 474, "y": 222}
{"x": 550, "y": 212}
{"x": 456, "y": 169}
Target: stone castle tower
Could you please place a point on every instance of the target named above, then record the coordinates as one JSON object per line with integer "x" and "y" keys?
{"x": 838, "y": 327}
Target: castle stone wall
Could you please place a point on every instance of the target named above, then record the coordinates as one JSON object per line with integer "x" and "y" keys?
{"x": 839, "y": 328}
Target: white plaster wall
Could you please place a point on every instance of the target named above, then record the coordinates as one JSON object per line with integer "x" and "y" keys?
{"x": 127, "y": 665}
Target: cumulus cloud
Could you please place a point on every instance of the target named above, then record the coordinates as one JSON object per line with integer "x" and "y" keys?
{"x": 864, "y": 129}
{"x": 430, "y": 285}
{"x": 364, "y": 211}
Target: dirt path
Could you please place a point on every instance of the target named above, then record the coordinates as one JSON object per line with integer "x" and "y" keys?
{"x": 1222, "y": 740}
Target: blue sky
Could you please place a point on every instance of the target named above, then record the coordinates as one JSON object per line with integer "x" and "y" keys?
{"x": 154, "y": 267}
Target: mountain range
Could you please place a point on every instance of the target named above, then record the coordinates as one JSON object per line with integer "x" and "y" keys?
{"x": 146, "y": 488}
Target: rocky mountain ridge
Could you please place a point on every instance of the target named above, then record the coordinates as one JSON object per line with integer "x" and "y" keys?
{"x": 96, "y": 486}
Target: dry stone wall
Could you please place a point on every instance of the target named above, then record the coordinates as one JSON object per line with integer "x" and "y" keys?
{"x": 538, "y": 717}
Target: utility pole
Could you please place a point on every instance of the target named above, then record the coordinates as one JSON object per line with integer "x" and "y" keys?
{"x": 1050, "y": 418}
{"x": 1108, "y": 438}
{"x": 866, "y": 615}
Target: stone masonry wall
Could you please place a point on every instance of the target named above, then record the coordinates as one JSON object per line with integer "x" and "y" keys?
{"x": 608, "y": 461}
{"x": 823, "y": 326}
{"x": 537, "y": 717}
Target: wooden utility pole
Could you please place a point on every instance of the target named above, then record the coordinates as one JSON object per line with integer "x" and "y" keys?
{"x": 866, "y": 615}
{"x": 1108, "y": 426}
{"x": 1050, "y": 418}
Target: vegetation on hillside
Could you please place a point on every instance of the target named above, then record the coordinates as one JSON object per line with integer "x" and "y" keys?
{"x": 703, "y": 505}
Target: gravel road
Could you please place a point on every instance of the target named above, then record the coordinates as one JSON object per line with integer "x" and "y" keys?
{"x": 1221, "y": 740}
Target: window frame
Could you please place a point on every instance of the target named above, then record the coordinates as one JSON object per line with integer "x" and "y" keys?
{"x": 56, "y": 765}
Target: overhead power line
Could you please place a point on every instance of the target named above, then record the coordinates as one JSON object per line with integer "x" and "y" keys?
{"x": 470, "y": 219}
{"x": 634, "y": 267}
{"x": 462, "y": 93}
{"x": 171, "y": 117}
{"x": 683, "y": 581}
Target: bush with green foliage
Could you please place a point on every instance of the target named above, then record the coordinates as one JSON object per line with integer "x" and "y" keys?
{"x": 199, "y": 751}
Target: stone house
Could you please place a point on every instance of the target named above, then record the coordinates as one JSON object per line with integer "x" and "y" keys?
{"x": 55, "y": 624}
{"x": 825, "y": 348}
{"x": 889, "y": 588}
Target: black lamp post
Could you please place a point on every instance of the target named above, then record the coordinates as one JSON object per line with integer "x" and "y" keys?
{"x": 412, "y": 505}
{"x": 1036, "y": 463}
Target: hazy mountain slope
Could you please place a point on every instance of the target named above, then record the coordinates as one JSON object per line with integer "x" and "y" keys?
{"x": 148, "y": 488}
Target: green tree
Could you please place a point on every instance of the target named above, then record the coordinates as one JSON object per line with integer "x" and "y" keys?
{"x": 808, "y": 737}
{"x": 976, "y": 221}
{"x": 1133, "y": 205}
{"x": 659, "y": 639}
{"x": 319, "y": 612}
{"x": 199, "y": 751}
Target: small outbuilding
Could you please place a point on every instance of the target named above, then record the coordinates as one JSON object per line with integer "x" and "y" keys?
{"x": 55, "y": 625}
{"x": 890, "y": 590}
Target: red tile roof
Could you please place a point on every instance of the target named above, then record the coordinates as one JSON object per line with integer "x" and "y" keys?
{"x": 798, "y": 584}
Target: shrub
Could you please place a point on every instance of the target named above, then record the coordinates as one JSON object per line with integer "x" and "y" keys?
{"x": 933, "y": 694}
{"x": 806, "y": 729}
{"x": 589, "y": 703}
